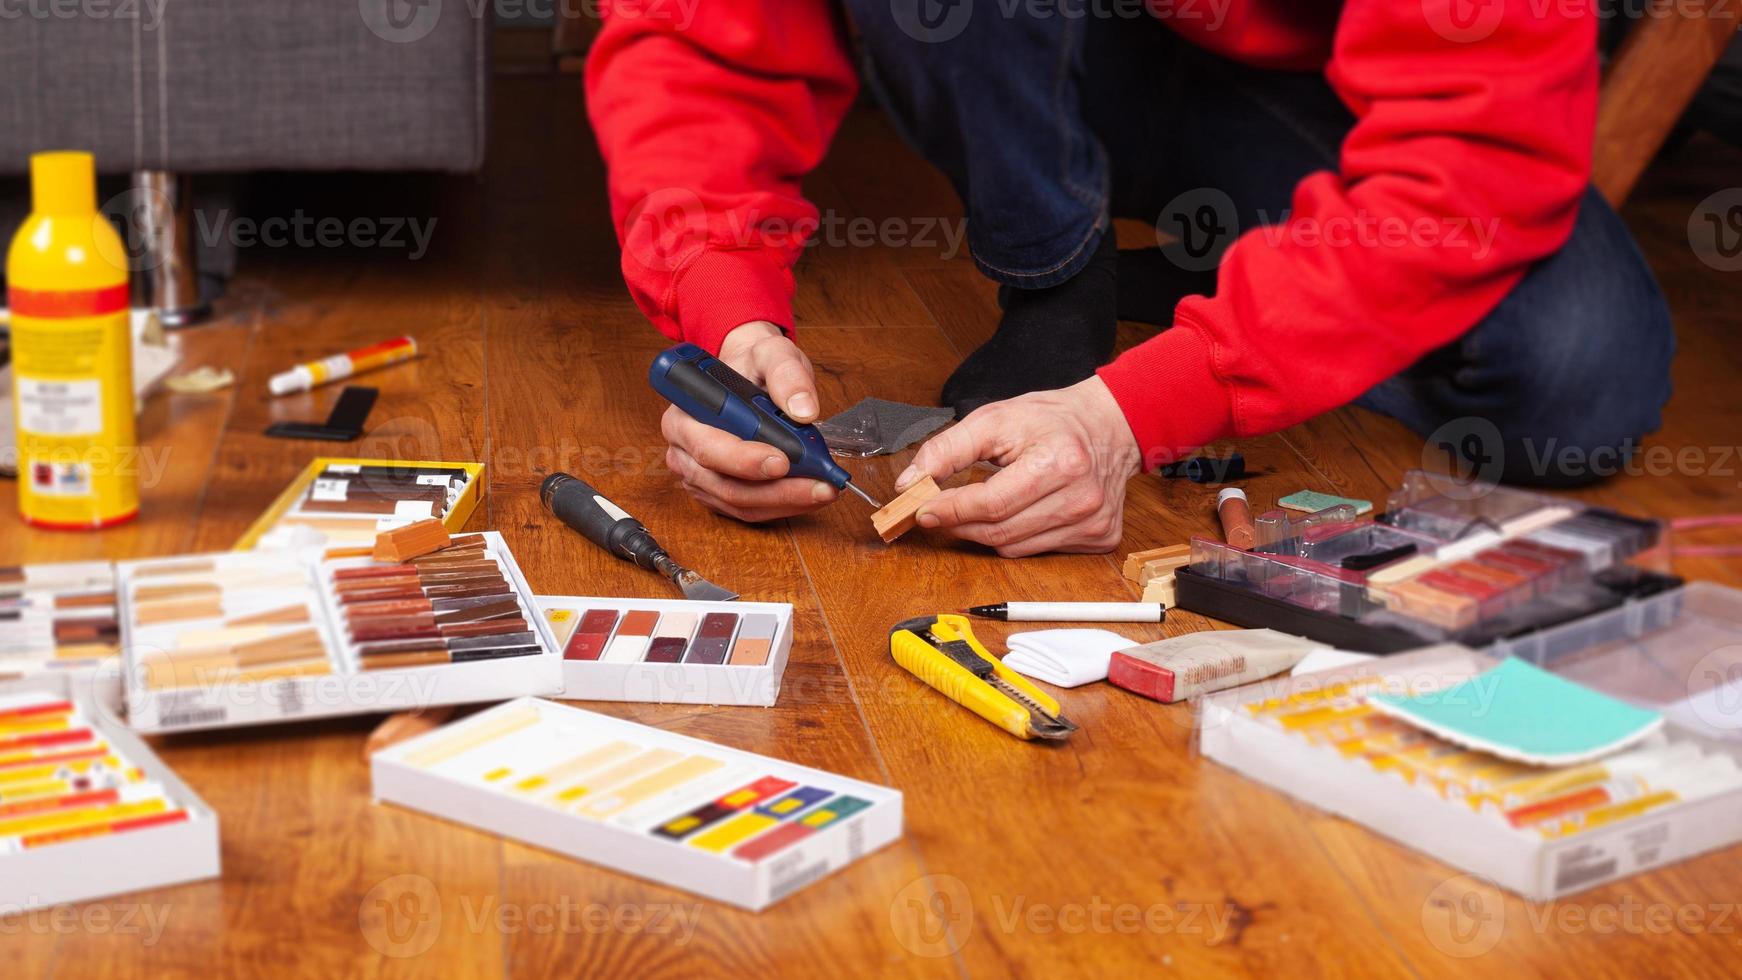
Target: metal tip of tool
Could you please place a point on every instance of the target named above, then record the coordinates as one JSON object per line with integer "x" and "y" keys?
{"x": 868, "y": 498}
{"x": 701, "y": 590}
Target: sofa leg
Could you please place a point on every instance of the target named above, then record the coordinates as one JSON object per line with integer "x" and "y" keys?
{"x": 167, "y": 279}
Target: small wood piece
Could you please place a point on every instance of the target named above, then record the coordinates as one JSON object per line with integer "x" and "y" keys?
{"x": 896, "y": 518}
{"x": 411, "y": 541}
{"x": 1160, "y": 589}
{"x": 1164, "y": 560}
{"x": 1158, "y": 567}
{"x": 404, "y": 726}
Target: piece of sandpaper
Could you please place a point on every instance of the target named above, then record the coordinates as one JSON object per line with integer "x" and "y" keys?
{"x": 877, "y": 427}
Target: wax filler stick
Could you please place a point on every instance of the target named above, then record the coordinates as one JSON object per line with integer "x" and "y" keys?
{"x": 607, "y": 525}
{"x": 711, "y": 393}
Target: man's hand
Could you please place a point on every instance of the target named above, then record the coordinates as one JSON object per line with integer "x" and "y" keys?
{"x": 739, "y": 478}
{"x": 1066, "y": 456}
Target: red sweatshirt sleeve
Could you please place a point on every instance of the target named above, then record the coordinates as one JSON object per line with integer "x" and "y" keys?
{"x": 707, "y": 127}
{"x": 1464, "y": 167}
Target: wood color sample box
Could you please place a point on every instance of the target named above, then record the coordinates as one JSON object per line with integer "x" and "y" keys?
{"x": 79, "y": 862}
{"x": 255, "y": 637}
{"x": 733, "y": 826}
{"x": 348, "y": 501}
{"x": 1460, "y": 810}
{"x": 670, "y": 651}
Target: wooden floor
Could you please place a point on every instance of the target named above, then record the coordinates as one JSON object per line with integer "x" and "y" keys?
{"x": 1121, "y": 851}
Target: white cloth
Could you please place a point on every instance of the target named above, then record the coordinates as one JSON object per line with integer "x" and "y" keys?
{"x": 1067, "y": 658}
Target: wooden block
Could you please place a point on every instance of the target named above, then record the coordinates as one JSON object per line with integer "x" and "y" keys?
{"x": 896, "y": 518}
{"x": 1135, "y": 562}
{"x": 1160, "y": 589}
{"x": 411, "y": 541}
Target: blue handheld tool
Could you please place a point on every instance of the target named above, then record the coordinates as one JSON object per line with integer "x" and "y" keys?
{"x": 714, "y": 394}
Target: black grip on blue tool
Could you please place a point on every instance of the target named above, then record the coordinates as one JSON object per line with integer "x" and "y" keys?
{"x": 577, "y": 504}
{"x": 710, "y": 392}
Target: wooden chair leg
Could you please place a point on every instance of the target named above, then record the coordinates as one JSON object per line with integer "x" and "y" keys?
{"x": 576, "y": 27}
{"x": 1660, "y": 67}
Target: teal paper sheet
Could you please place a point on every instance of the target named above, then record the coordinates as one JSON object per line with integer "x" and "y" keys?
{"x": 1521, "y": 712}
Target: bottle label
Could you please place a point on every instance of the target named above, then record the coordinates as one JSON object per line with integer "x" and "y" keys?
{"x": 60, "y": 408}
{"x": 73, "y": 404}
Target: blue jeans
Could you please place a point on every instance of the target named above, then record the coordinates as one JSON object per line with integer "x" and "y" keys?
{"x": 1049, "y": 125}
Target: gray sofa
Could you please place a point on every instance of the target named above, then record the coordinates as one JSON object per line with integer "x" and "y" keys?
{"x": 164, "y": 89}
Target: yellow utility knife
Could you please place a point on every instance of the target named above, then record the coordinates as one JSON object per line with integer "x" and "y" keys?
{"x": 943, "y": 652}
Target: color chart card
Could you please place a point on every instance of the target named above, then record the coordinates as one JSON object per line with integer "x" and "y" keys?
{"x": 733, "y": 825}
{"x": 55, "y": 617}
{"x": 670, "y": 651}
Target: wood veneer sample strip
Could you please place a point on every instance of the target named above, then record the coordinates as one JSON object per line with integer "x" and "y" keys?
{"x": 896, "y": 518}
{"x": 411, "y": 541}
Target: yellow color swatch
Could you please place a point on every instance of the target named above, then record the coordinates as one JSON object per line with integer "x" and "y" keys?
{"x": 734, "y": 831}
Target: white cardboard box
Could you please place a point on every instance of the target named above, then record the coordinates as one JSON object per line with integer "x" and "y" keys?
{"x": 1519, "y": 860}
{"x": 676, "y": 683}
{"x": 348, "y": 690}
{"x": 460, "y": 789}
{"x": 97, "y": 867}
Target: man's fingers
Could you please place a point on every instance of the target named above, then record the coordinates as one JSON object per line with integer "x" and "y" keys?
{"x": 787, "y": 497}
{"x": 955, "y": 449}
{"x": 720, "y": 451}
{"x": 786, "y": 374}
{"x": 1059, "y": 539}
{"x": 1012, "y": 491}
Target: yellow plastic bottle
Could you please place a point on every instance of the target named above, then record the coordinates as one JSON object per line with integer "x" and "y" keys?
{"x": 72, "y": 354}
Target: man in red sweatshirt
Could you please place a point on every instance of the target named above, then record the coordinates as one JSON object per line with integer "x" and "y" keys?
{"x": 1383, "y": 202}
